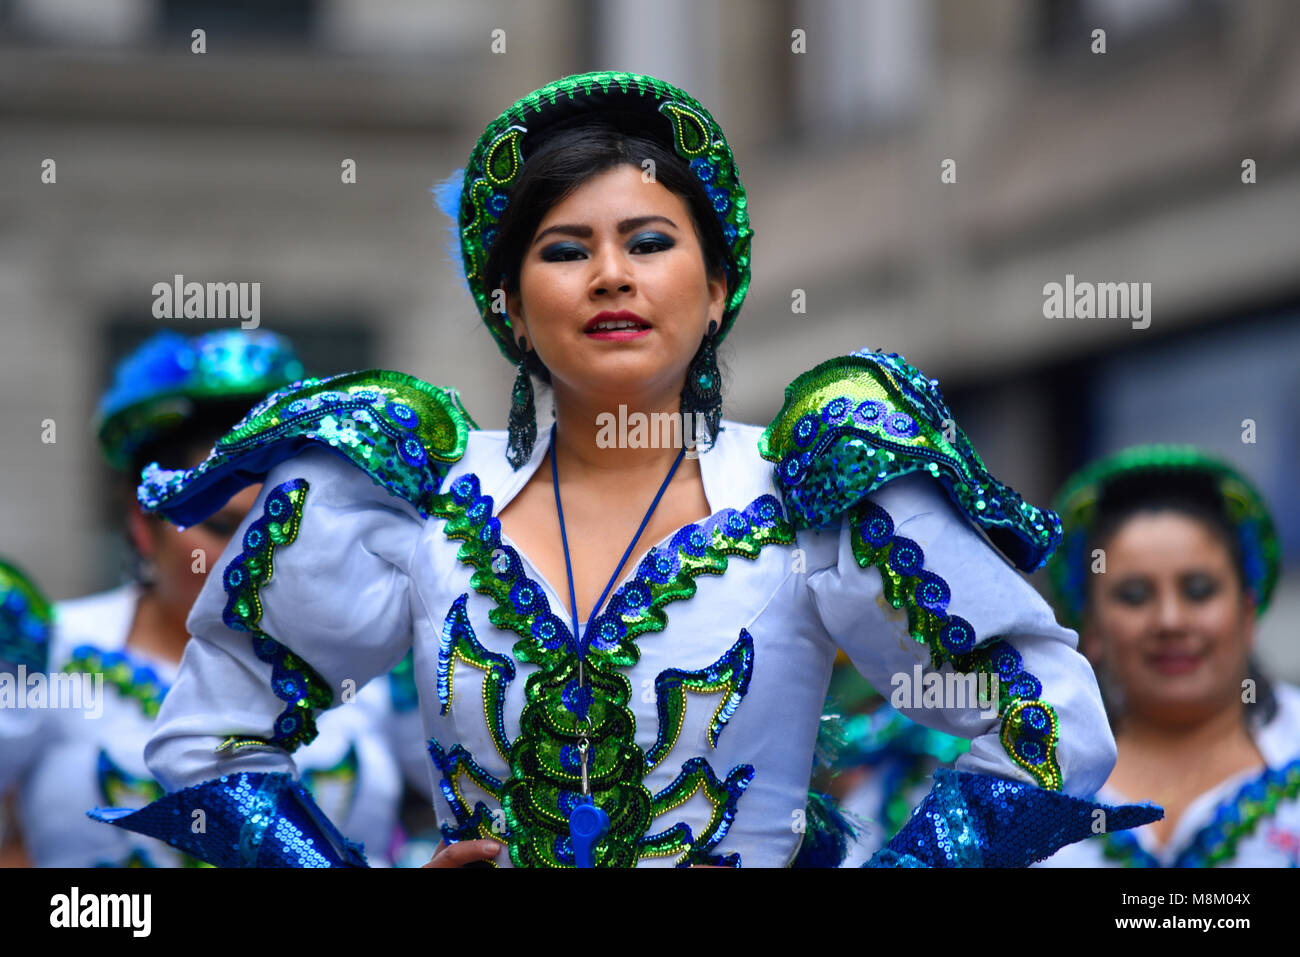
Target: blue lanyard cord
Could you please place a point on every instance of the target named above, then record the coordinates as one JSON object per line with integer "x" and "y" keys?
{"x": 581, "y": 645}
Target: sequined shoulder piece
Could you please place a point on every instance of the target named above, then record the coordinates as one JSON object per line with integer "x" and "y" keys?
{"x": 26, "y": 621}
{"x": 404, "y": 433}
{"x": 856, "y": 422}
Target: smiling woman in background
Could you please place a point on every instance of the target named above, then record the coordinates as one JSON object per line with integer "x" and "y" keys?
{"x": 1169, "y": 557}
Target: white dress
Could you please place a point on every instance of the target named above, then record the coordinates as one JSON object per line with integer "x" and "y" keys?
{"x": 1251, "y": 819}
{"x": 69, "y": 760}
{"x": 385, "y": 545}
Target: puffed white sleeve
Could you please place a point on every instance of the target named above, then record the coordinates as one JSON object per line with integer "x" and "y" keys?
{"x": 937, "y": 620}
{"x": 309, "y": 601}
{"x": 896, "y": 502}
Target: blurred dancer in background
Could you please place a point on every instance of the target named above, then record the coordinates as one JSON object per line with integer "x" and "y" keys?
{"x": 169, "y": 401}
{"x": 881, "y": 762}
{"x": 1169, "y": 557}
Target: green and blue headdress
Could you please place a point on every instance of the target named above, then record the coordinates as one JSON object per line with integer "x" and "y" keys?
{"x": 1079, "y": 500}
{"x": 476, "y": 197}
{"x": 156, "y": 388}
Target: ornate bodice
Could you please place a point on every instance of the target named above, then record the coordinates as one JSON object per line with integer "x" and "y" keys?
{"x": 856, "y": 521}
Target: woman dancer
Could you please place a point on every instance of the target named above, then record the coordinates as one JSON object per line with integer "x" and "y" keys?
{"x": 168, "y": 401}
{"x": 576, "y": 717}
{"x": 1169, "y": 558}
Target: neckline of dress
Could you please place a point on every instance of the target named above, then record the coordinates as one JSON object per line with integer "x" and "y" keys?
{"x": 1212, "y": 799}
{"x": 708, "y": 478}
{"x": 1207, "y": 807}
{"x": 114, "y": 640}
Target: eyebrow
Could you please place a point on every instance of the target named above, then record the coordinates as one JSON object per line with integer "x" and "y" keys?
{"x": 624, "y": 226}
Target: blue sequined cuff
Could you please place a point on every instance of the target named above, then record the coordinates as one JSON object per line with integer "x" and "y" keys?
{"x": 976, "y": 820}
{"x": 246, "y": 820}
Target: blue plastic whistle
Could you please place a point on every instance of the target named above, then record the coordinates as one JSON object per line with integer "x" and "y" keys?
{"x": 587, "y": 825}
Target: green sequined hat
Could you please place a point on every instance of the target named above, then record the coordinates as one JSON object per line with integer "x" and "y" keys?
{"x": 1077, "y": 503}
{"x": 477, "y": 196}
{"x": 155, "y": 388}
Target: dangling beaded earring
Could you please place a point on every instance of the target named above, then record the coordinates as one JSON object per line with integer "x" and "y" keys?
{"x": 523, "y": 414}
{"x": 702, "y": 394}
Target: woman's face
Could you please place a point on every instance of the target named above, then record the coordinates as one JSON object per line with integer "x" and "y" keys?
{"x": 1168, "y": 618}
{"x": 616, "y": 244}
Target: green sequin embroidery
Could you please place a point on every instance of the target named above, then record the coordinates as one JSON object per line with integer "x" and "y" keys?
{"x": 139, "y": 684}
{"x": 1029, "y": 726}
{"x": 26, "y": 620}
{"x": 544, "y": 768}
{"x": 460, "y": 642}
{"x": 730, "y": 675}
{"x": 855, "y": 422}
{"x": 402, "y": 432}
{"x": 292, "y": 679}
